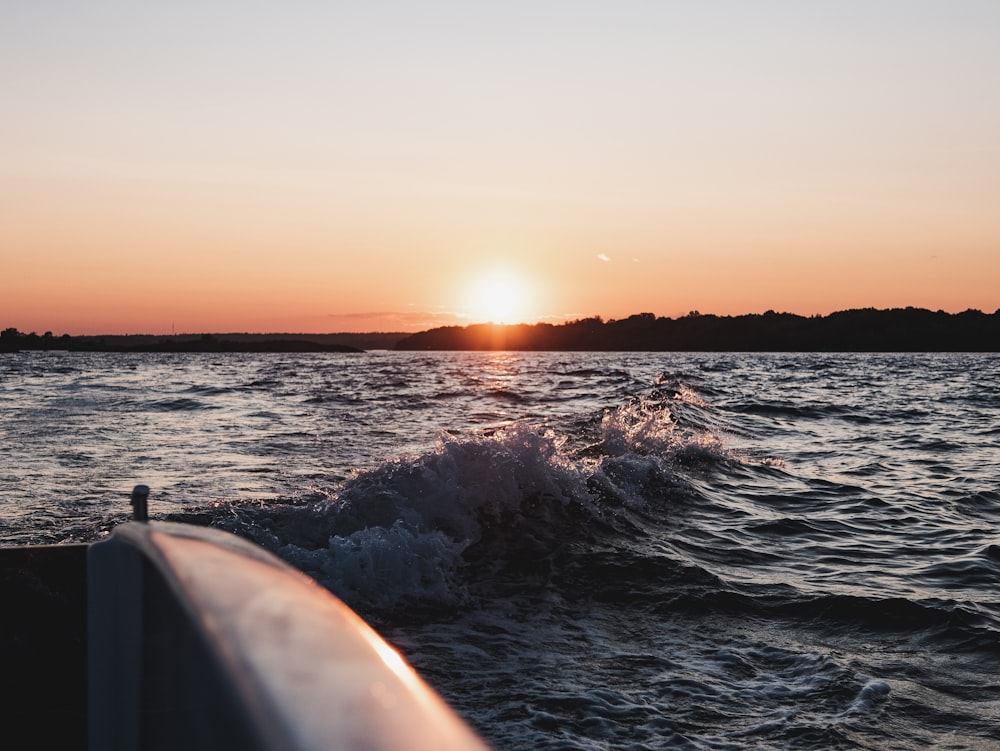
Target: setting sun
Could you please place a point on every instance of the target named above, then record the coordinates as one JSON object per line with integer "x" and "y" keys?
{"x": 498, "y": 298}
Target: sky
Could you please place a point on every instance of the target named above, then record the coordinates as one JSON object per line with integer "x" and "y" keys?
{"x": 335, "y": 166}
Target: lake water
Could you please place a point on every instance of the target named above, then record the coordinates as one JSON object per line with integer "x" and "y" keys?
{"x": 581, "y": 550}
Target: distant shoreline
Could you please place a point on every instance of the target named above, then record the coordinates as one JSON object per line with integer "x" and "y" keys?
{"x": 862, "y": 330}
{"x": 857, "y": 330}
{"x": 12, "y": 341}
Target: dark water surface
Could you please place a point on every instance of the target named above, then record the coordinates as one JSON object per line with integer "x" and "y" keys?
{"x": 581, "y": 550}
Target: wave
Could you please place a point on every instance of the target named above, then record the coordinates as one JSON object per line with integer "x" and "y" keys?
{"x": 979, "y": 571}
{"x": 642, "y": 503}
{"x": 207, "y": 390}
{"x": 810, "y": 412}
{"x": 506, "y": 502}
{"x": 179, "y": 404}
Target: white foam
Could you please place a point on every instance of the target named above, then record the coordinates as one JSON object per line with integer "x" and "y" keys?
{"x": 401, "y": 529}
{"x": 381, "y": 567}
{"x": 397, "y": 533}
{"x": 872, "y": 694}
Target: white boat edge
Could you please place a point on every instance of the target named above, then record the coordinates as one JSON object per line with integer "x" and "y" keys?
{"x": 200, "y": 639}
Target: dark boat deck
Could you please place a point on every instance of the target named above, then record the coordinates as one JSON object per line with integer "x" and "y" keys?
{"x": 168, "y": 636}
{"x": 43, "y": 645}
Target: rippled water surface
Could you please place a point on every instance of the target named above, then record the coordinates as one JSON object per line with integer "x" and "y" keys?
{"x": 581, "y": 550}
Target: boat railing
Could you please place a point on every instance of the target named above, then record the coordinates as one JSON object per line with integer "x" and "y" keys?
{"x": 198, "y": 639}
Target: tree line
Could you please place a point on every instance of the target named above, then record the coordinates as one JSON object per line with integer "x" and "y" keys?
{"x": 860, "y": 330}
{"x": 12, "y": 340}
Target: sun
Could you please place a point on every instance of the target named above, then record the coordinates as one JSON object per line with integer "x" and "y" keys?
{"x": 498, "y": 297}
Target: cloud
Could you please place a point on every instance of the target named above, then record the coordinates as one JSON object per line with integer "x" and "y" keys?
{"x": 604, "y": 257}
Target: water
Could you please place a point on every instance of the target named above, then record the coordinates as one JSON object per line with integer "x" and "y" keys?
{"x": 580, "y": 550}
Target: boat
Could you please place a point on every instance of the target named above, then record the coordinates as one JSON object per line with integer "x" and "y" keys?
{"x": 173, "y": 636}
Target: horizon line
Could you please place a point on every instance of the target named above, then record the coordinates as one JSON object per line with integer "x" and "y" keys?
{"x": 566, "y": 320}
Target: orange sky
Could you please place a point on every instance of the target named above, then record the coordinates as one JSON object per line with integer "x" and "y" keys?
{"x": 324, "y": 167}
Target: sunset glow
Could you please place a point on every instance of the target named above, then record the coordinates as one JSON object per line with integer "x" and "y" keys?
{"x": 498, "y": 298}
{"x": 340, "y": 174}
